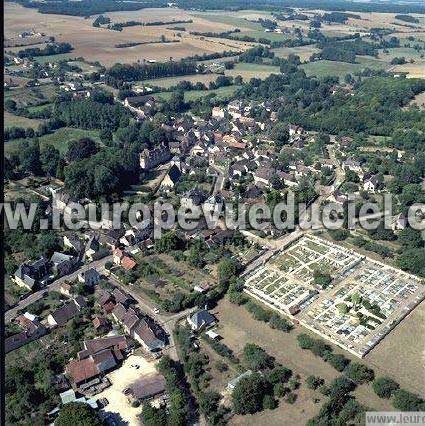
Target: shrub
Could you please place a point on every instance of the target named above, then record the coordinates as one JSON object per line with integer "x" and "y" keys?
{"x": 314, "y": 382}
{"x": 291, "y": 398}
{"x": 385, "y": 387}
{"x": 407, "y": 401}
{"x": 337, "y": 361}
{"x": 279, "y": 375}
{"x": 269, "y": 403}
{"x": 359, "y": 373}
{"x": 248, "y": 395}
{"x": 305, "y": 341}
{"x": 279, "y": 323}
{"x": 221, "y": 366}
{"x": 279, "y": 390}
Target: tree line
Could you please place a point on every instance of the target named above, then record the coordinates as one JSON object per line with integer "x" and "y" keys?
{"x": 118, "y": 74}
{"x": 50, "y": 49}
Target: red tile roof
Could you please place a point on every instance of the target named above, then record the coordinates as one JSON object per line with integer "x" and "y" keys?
{"x": 82, "y": 370}
{"x": 128, "y": 263}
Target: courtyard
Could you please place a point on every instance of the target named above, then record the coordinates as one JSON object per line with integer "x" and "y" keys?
{"x": 119, "y": 407}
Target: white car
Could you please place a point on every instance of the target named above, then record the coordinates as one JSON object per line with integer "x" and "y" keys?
{"x": 156, "y": 310}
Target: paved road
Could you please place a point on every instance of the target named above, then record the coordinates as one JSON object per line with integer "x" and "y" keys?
{"x": 54, "y": 286}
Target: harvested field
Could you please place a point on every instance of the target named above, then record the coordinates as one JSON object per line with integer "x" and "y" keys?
{"x": 416, "y": 70}
{"x": 248, "y": 71}
{"x": 98, "y": 44}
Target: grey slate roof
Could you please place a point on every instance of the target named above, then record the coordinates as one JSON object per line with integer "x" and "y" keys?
{"x": 202, "y": 318}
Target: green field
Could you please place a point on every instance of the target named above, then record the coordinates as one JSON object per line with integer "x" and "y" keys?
{"x": 36, "y": 108}
{"x": 12, "y": 120}
{"x": 304, "y": 52}
{"x": 325, "y": 68}
{"x": 173, "y": 81}
{"x": 59, "y": 139}
{"x": 245, "y": 70}
{"x": 222, "y": 92}
{"x": 229, "y": 20}
{"x": 53, "y": 58}
{"x": 407, "y": 52}
{"x": 28, "y": 96}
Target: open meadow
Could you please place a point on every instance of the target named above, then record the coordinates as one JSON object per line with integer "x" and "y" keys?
{"x": 237, "y": 327}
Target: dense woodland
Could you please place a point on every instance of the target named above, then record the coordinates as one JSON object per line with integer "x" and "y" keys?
{"x": 121, "y": 73}
{"x": 88, "y": 7}
{"x": 92, "y": 7}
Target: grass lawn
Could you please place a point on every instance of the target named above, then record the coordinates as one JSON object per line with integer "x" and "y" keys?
{"x": 84, "y": 66}
{"x": 401, "y": 352}
{"x": 169, "y": 277}
{"x": 60, "y": 139}
{"x": 379, "y": 141}
{"x": 12, "y": 120}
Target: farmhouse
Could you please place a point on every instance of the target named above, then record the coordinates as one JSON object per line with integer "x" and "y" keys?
{"x": 143, "y": 330}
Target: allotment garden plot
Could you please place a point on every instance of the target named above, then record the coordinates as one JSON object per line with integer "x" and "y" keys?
{"x": 364, "y": 301}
